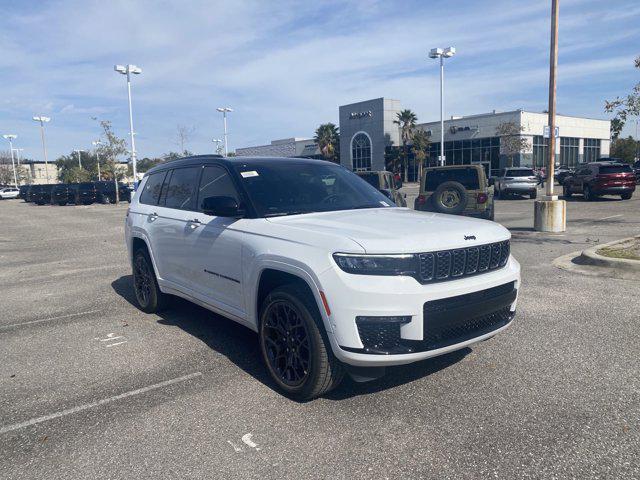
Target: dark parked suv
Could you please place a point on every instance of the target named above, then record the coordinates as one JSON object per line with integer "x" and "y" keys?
{"x": 107, "y": 192}
{"x": 601, "y": 178}
{"x": 40, "y": 194}
{"x": 23, "y": 192}
{"x": 64, "y": 193}
{"x": 87, "y": 193}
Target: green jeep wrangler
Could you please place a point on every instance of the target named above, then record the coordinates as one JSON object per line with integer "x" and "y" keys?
{"x": 384, "y": 182}
{"x": 456, "y": 190}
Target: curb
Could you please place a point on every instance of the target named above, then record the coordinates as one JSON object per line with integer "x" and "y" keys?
{"x": 591, "y": 257}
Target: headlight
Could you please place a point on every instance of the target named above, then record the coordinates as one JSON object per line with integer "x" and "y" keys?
{"x": 401, "y": 264}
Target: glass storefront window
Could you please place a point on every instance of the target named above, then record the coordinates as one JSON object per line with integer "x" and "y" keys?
{"x": 361, "y": 153}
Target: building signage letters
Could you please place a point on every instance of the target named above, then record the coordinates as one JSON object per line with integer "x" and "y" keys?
{"x": 354, "y": 115}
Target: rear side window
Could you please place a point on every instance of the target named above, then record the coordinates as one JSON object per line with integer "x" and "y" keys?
{"x": 151, "y": 192}
{"x": 466, "y": 176}
{"x": 520, "y": 173}
{"x": 182, "y": 189}
{"x": 607, "y": 169}
{"x": 216, "y": 182}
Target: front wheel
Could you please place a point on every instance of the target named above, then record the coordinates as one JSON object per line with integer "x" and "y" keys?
{"x": 533, "y": 195}
{"x": 294, "y": 345}
{"x": 566, "y": 191}
{"x": 626, "y": 196}
{"x": 588, "y": 195}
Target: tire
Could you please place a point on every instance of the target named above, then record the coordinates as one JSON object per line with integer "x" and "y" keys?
{"x": 492, "y": 212}
{"x": 322, "y": 371}
{"x": 62, "y": 204}
{"x": 450, "y": 198}
{"x": 105, "y": 200}
{"x": 566, "y": 191}
{"x": 533, "y": 195}
{"x": 145, "y": 284}
{"x": 626, "y": 196}
{"x": 586, "y": 193}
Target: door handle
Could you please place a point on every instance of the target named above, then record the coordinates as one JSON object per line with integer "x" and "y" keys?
{"x": 195, "y": 223}
{"x": 153, "y": 216}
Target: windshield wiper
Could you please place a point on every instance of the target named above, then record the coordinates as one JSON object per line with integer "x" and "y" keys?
{"x": 368, "y": 205}
{"x": 284, "y": 214}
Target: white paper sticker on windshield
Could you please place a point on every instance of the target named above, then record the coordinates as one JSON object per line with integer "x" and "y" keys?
{"x": 385, "y": 203}
{"x": 251, "y": 173}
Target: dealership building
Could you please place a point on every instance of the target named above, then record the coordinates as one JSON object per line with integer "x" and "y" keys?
{"x": 368, "y": 134}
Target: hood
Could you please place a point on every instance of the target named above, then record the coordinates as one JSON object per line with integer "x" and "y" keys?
{"x": 397, "y": 230}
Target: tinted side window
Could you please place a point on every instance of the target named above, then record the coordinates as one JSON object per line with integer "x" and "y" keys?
{"x": 182, "y": 189}
{"x": 151, "y": 192}
{"x": 605, "y": 169}
{"x": 216, "y": 182}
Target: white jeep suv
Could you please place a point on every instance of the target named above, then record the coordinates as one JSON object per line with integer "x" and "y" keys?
{"x": 332, "y": 276}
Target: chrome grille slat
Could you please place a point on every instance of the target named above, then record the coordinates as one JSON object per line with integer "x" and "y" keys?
{"x": 461, "y": 262}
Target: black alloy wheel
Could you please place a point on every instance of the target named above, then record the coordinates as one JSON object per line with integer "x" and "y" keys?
{"x": 287, "y": 344}
{"x": 588, "y": 196}
{"x": 145, "y": 285}
{"x": 294, "y": 344}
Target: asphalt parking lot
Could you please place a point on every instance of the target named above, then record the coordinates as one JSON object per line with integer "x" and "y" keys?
{"x": 90, "y": 387}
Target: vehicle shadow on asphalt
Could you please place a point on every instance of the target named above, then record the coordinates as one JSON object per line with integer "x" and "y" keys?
{"x": 240, "y": 345}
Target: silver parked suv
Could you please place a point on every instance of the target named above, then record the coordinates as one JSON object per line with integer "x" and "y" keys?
{"x": 516, "y": 180}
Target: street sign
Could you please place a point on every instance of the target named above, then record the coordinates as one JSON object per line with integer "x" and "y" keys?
{"x": 547, "y": 130}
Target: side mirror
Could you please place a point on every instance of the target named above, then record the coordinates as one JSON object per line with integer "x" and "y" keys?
{"x": 221, "y": 207}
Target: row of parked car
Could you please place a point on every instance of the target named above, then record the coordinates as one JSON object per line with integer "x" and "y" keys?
{"x": 84, "y": 193}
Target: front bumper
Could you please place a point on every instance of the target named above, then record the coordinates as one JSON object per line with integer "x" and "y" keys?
{"x": 615, "y": 190}
{"x": 426, "y": 333}
{"x": 521, "y": 189}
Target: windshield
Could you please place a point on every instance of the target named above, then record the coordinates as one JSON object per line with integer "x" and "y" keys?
{"x": 283, "y": 188}
{"x": 468, "y": 177}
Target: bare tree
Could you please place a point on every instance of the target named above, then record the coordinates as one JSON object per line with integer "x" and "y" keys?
{"x": 111, "y": 148}
{"x": 183, "y": 136}
{"x": 511, "y": 143}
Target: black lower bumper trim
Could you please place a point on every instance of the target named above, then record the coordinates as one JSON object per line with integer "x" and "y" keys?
{"x": 446, "y": 322}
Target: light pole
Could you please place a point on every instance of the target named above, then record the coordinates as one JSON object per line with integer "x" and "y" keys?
{"x": 42, "y": 120}
{"x": 217, "y": 141}
{"x": 79, "y": 159}
{"x": 10, "y": 137}
{"x": 18, "y": 154}
{"x": 224, "y": 111}
{"x": 442, "y": 54}
{"x": 128, "y": 70}
{"x": 98, "y": 144}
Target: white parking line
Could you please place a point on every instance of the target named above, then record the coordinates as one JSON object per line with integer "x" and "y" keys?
{"x": 610, "y": 216}
{"x": 80, "y": 408}
{"x": 4, "y": 327}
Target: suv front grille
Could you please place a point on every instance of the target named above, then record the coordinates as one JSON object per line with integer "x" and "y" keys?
{"x": 462, "y": 262}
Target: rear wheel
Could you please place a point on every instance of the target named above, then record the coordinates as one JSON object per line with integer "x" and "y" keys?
{"x": 145, "y": 284}
{"x": 626, "y": 196}
{"x": 566, "y": 191}
{"x": 294, "y": 345}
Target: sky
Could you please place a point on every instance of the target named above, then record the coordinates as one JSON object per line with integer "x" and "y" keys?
{"x": 285, "y": 67}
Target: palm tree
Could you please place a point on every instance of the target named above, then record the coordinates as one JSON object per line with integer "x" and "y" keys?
{"x": 327, "y": 138}
{"x": 407, "y": 122}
